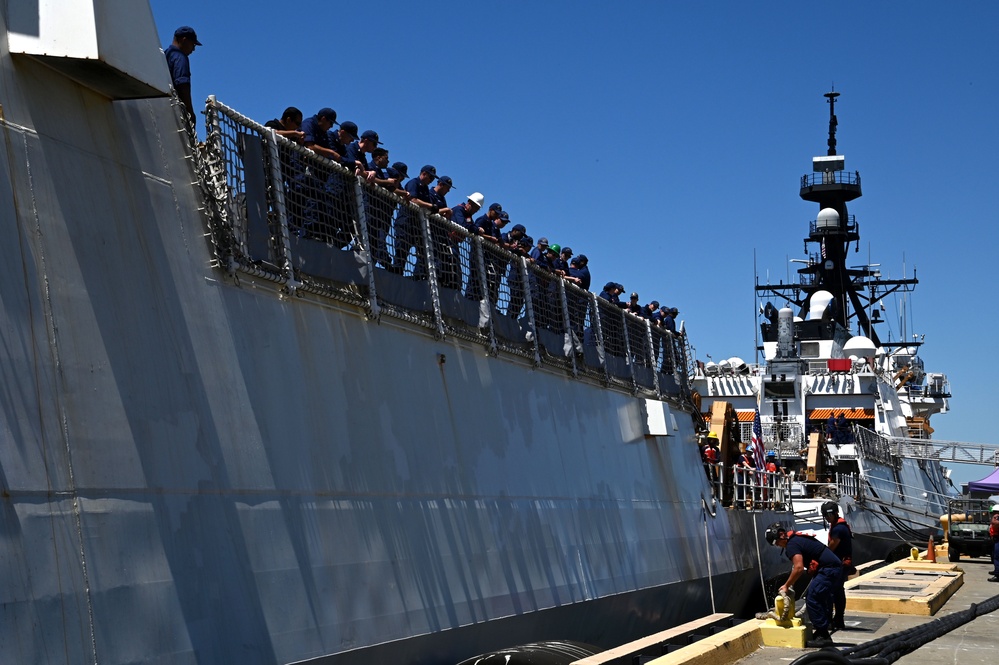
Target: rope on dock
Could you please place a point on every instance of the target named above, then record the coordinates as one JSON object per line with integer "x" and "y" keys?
{"x": 888, "y": 649}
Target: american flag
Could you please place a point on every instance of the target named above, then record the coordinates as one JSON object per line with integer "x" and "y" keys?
{"x": 757, "y": 441}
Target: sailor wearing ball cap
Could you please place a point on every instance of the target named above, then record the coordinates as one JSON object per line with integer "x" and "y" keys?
{"x": 407, "y": 224}
{"x": 185, "y": 40}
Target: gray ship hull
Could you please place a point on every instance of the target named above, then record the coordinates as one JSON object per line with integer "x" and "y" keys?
{"x": 200, "y": 469}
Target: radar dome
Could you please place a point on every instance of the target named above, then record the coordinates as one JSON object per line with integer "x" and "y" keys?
{"x": 859, "y": 347}
{"x": 820, "y": 300}
{"x": 738, "y": 365}
{"x": 827, "y": 219}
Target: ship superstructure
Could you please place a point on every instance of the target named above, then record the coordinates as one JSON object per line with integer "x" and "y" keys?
{"x": 835, "y": 399}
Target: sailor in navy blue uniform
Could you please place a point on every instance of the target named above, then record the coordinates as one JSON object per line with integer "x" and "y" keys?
{"x": 408, "y": 234}
{"x": 841, "y": 543}
{"x": 517, "y": 241}
{"x": 669, "y": 319}
{"x": 464, "y": 213}
{"x": 578, "y": 302}
{"x": 807, "y": 553}
{"x": 185, "y": 40}
{"x": 539, "y": 249}
{"x": 486, "y": 227}
{"x": 445, "y": 255}
{"x": 355, "y": 156}
{"x": 314, "y": 195}
{"x": 579, "y": 269}
{"x": 379, "y": 208}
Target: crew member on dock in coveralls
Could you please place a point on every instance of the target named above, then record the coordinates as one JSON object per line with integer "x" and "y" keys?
{"x": 841, "y": 543}
{"x": 994, "y": 532}
{"x": 805, "y": 551}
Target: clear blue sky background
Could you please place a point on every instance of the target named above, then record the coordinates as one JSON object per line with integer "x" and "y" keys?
{"x": 666, "y": 140}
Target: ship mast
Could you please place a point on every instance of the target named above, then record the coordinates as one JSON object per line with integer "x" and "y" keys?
{"x": 855, "y": 289}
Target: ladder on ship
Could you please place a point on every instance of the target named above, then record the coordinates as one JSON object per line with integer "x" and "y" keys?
{"x": 986, "y": 454}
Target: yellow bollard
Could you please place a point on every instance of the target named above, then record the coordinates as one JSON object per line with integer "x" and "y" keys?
{"x": 782, "y": 628}
{"x": 914, "y": 554}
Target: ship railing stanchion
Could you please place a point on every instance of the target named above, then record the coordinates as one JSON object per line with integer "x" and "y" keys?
{"x": 364, "y": 241}
{"x": 280, "y": 207}
{"x": 569, "y": 346}
{"x": 653, "y": 360}
{"x": 485, "y": 304}
{"x": 529, "y": 308}
{"x": 428, "y": 258}
{"x": 216, "y": 189}
{"x": 627, "y": 351}
{"x": 598, "y": 329}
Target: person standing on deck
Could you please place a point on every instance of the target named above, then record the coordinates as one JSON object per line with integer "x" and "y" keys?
{"x": 185, "y": 40}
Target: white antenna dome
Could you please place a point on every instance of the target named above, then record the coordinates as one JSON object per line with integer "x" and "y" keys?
{"x": 827, "y": 219}
{"x": 859, "y": 347}
{"x": 820, "y": 300}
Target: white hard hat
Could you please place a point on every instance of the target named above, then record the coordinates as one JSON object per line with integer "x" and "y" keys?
{"x": 477, "y": 198}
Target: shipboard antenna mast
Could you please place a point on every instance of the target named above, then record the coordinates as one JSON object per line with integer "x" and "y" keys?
{"x": 831, "y": 96}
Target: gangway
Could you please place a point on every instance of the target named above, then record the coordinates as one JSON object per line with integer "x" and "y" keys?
{"x": 986, "y": 454}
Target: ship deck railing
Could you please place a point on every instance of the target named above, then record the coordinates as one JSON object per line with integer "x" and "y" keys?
{"x": 750, "y": 489}
{"x": 280, "y": 212}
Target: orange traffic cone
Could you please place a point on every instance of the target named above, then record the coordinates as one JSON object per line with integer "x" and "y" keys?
{"x": 931, "y": 551}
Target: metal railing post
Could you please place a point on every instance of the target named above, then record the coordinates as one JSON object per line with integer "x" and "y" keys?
{"x": 277, "y": 186}
{"x": 567, "y": 325}
{"x": 428, "y": 257}
{"x": 599, "y": 334}
{"x": 627, "y": 350}
{"x": 485, "y": 305}
{"x": 529, "y": 308}
{"x": 652, "y": 361}
{"x": 365, "y": 242}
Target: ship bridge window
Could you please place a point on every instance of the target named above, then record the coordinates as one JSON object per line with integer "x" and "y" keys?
{"x": 778, "y": 389}
{"x": 809, "y": 349}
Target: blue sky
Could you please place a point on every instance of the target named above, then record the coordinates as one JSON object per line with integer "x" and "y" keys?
{"x": 666, "y": 140}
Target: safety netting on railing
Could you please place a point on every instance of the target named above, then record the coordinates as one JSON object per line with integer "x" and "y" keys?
{"x": 283, "y": 212}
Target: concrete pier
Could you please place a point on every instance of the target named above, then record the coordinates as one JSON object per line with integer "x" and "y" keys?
{"x": 881, "y": 602}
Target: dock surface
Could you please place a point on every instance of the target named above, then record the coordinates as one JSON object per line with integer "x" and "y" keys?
{"x": 973, "y": 643}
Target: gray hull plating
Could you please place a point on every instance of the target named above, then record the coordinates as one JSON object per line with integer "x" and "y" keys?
{"x": 195, "y": 470}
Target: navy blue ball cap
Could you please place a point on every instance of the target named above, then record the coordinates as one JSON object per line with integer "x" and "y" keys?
{"x": 349, "y": 127}
{"x": 328, "y": 113}
{"x": 401, "y": 169}
{"x": 495, "y": 207}
{"x": 188, "y": 32}
{"x": 445, "y": 180}
{"x": 567, "y": 250}
{"x": 429, "y": 168}
{"x": 610, "y": 285}
{"x": 519, "y": 227}
{"x": 581, "y": 258}
{"x": 371, "y": 136}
